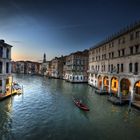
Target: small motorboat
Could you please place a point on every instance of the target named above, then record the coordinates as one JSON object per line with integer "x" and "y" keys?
{"x": 80, "y": 105}
{"x": 16, "y": 88}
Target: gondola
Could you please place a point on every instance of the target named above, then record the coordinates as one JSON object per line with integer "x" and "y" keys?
{"x": 80, "y": 105}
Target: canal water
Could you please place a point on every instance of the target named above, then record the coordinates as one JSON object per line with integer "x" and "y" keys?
{"x": 46, "y": 112}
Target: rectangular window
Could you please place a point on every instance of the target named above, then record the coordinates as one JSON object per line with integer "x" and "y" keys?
{"x": 112, "y": 54}
{"x": 1, "y": 52}
{"x": 108, "y": 68}
{"x": 136, "y": 67}
{"x": 112, "y": 44}
{"x": 104, "y": 67}
{"x": 104, "y": 56}
{"x": 111, "y": 67}
{"x": 0, "y": 67}
{"x": 131, "y": 50}
{"x": 123, "y": 52}
{"x": 0, "y": 82}
{"x": 136, "y": 48}
{"x": 119, "y": 41}
{"x": 123, "y": 41}
{"x": 98, "y": 67}
{"x": 118, "y": 68}
{"x": 130, "y": 67}
{"x": 121, "y": 67}
{"x": 137, "y": 34}
{"x": 119, "y": 53}
{"x": 7, "y": 67}
{"x": 131, "y": 36}
{"x": 92, "y": 67}
{"x": 7, "y": 53}
{"x": 109, "y": 55}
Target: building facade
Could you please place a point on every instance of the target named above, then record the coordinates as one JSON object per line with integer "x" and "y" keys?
{"x": 114, "y": 64}
{"x": 57, "y": 65}
{"x": 5, "y": 68}
{"x": 76, "y": 67}
{"x": 26, "y": 67}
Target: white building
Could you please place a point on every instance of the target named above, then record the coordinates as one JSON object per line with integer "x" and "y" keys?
{"x": 114, "y": 64}
{"x": 5, "y": 68}
{"x": 76, "y": 67}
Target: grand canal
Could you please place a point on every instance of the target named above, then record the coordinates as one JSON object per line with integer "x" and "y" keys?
{"x": 46, "y": 112}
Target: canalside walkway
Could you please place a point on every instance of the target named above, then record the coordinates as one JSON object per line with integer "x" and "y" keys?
{"x": 136, "y": 104}
{"x": 101, "y": 92}
{"x": 117, "y": 101}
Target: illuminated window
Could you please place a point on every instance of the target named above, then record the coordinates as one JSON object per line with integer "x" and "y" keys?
{"x": 115, "y": 84}
{"x": 7, "y": 81}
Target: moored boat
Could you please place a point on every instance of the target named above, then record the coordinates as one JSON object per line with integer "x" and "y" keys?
{"x": 80, "y": 105}
{"x": 16, "y": 88}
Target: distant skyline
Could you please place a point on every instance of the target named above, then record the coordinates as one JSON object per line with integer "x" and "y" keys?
{"x": 60, "y": 27}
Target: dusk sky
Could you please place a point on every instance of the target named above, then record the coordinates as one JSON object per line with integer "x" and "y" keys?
{"x": 60, "y": 27}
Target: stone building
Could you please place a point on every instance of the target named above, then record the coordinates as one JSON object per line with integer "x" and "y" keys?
{"x": 57, "y": 65}
{"x": 5, "y": 68}
{"x": 48, "y": 69}
{"x": 20, "y": 66}
{"x": 44, "y": 66}
{"x": 114, "y": 64}
{"x": 26, "y": 67}
{"x": 76, "y": 67}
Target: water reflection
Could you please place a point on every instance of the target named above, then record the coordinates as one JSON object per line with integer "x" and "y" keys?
{"x": 46, "y": 111}
{"x": 6, "y": 118}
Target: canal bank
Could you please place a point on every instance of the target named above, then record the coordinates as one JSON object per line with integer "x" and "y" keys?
{"x": 46, "y": 111}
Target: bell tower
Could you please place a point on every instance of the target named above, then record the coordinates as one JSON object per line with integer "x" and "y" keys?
{"x": 44, "y": 58}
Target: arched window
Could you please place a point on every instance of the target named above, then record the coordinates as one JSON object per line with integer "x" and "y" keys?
{"x": 130, "y": 67}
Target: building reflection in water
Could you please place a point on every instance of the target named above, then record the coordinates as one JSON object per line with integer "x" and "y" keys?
{"x": 6, "y": 119}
